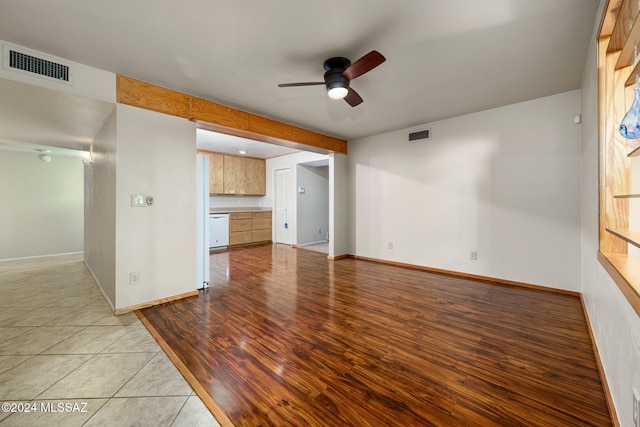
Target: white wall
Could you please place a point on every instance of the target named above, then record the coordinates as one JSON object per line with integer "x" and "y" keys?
{"x": 313, "y": 204}
{"x": 339, "y": 213}
{"x": 615, "y": 325}
{"x": 42, "y": 205}
{"x": 503, "y": 182}
{"x": 239, "y": 201}
{"x": 291, "y": 161}
{"x": 156, "y": 155}
{"x": 88, "y": 82}
{"x": 100, "y": 209}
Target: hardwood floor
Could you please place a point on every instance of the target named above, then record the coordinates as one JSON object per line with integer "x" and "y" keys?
{"x": 285, "y": 337}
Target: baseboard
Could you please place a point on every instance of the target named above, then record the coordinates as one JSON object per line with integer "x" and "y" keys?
{"x": 129, "y": 309}
{"x": 200, "y": 391}
{"x": 106, "y": 298}
{"x": 475, "y": 277}
{"x": 40, "y": 261}
{"x": 302, "y": 245}
{"x": 603, "y": 377}
{"x": 337, "y": 257}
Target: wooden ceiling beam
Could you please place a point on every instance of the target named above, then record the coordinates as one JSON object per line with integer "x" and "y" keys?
{"x": 220, "y": 118}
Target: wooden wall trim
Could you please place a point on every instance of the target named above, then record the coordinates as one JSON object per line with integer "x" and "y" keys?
{"x": 629, "y": 270}
{"x": 220, "y": 118}
{"x": 156, "y": 302}
{"x": 603, "y": 377}
{"x": 475, "y": 277}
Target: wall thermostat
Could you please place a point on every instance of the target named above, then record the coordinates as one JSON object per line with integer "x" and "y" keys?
{"x": 149, "y": 200}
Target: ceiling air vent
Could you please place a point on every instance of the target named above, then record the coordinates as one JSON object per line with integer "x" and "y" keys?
{"x": 34, "y": 63}
{"x": 423, "y": 134}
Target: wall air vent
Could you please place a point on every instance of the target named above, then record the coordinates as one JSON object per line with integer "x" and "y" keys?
{"x": 34, "y": 63}
{"x": 423, "y": 134}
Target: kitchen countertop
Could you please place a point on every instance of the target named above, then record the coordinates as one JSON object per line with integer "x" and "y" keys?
{"x": 229, "y": 210}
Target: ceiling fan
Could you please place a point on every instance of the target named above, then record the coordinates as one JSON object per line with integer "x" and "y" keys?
{"x": 339, "y": 73}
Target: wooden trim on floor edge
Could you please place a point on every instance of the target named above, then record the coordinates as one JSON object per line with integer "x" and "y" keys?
{"x": 475, "y": 277}
{"x": 337, "y": 257}
{"x": 603, "y": 377}
{"x": 200, "y": 391}
{"x": 156, "y": 302}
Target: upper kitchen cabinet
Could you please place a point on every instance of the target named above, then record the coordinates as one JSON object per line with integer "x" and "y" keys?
{"x": 233, "y": 175}
{"x": 255, "y": 177}
{"x": 216, "y": 173}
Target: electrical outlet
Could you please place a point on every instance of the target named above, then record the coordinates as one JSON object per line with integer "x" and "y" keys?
{"x": 636, "y": 408}
{"x": 134, "y": 278}
{"x": 390, "y": 245}
{"x": 473, "y": 255}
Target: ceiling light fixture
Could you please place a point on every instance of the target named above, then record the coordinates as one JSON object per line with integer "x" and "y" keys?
{"x": 242, "y": 152}
{"x": 338, "y": 92}
{"x": 45, "y": 158}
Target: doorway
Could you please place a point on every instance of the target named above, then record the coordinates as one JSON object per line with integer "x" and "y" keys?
{"x": 312, "y": 209}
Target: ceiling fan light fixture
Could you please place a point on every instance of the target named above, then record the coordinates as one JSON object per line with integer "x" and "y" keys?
{"x": 338, "y": 92}
{"x": 338, "y": 74}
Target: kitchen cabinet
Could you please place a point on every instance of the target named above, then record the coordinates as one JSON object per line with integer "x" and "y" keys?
{"x": 249, "y": 227}
{"x": 261, "y": 227}
{"x": 216, "y": 173}
{"x": 216, "y": 176}
{"x": 255, "y": 176}
{"x": 234, "y": 175}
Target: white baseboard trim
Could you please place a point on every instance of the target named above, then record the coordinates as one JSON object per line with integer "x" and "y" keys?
{"x": 23, "y": 263}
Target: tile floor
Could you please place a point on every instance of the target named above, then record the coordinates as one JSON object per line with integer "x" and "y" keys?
{"x": 76, "y": 364}
{"x": 318, "y": 247}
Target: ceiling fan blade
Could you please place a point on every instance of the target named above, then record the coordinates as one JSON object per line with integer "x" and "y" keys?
{"x": 363, "y": 65}
{"x": 300, "y": 84}
{"x": 353, "y": 98}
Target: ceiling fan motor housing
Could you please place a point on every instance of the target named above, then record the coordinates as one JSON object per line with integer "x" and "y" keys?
{"x": 333, "y": 77}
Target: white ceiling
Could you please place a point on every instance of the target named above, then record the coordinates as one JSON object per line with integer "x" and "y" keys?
{"x": 229, "y": 144}
{"x": 444, "y": 58}
{"x": 39, "y": 149}
{"x": 46, "y": 117}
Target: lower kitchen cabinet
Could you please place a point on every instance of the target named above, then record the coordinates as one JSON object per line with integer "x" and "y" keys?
{"x": 247, "y": 228}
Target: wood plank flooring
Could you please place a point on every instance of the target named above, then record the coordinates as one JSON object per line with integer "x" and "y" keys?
{"x": 285, "y": 337}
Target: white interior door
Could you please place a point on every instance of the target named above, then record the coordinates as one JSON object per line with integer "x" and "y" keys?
{"x": 283, "y": 206}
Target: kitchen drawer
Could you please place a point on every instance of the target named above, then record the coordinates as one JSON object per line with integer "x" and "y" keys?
{"x": 240, "y": 215}
{"x": 240, "y": 225}
{"x": 261, "y": 223}
{"x": 240, "y": 238}
{"x": 261, "y": 235}
{"x": 262, "y": 214}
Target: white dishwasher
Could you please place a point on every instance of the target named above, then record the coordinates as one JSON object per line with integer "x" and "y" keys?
{"x": 218, "y": 230}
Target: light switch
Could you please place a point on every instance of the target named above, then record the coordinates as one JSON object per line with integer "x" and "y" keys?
{"x": 138, "y": 200}
{"x": 300, "y": 190}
